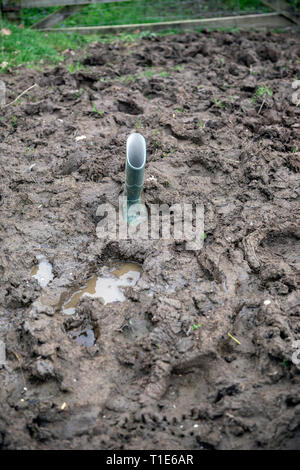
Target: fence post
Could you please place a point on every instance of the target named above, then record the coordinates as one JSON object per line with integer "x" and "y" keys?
{"x": 11, "y": 10}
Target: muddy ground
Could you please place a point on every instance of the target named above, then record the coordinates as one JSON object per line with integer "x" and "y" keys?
{"x": 163, "y": 372}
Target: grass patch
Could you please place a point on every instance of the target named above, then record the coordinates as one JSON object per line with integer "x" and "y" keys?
{"x": 246, "y": 5}
{"x": 97, "y": 111}
{"x": 74, "y": 67}
{"x": 145, "y": 11}
{"x": 31, "y": 16}
{"x": 262, "y": 92}
{"x": 33, "y": 48}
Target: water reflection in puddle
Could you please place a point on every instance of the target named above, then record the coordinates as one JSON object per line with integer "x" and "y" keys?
{"x": 108, "y": 286}
{"x": 85, "y": 336}
{"x": 43, "y": 271}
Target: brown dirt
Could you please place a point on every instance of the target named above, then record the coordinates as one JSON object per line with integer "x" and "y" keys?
{"x": 151, "y": 381}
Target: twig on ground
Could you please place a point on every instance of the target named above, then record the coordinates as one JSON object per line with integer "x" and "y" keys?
{"x": 23, "y": 93}
{"x": 232, "y": 337}
{"x": 261, "y": 107}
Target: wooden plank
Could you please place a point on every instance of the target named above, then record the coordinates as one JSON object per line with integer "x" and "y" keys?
{"x": 11, "y": 10}
{"x": 57, "y": 17}
{"x": 53, "y": 3}
{"x": 266, "y": 20}
{"x": 282, "y": 7}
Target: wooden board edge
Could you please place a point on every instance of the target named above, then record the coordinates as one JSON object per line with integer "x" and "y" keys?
{"x": 259, "y": 21}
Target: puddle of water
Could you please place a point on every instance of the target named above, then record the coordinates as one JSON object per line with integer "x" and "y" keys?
{"x": 108, "y": 287}
{"x": 43, "y": 271}
{"x": 86, "y": 336}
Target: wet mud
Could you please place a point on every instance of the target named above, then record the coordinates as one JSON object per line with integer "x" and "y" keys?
{"x": 198, "y": 354}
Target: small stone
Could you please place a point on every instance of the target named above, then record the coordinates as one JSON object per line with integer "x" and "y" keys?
{"x": 44, "y": 369}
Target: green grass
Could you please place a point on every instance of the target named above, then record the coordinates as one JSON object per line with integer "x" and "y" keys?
{"x": 75, "y": 67}
{"x": 97, "y": 111}
{"x": 262, "y": 92}
{"x": 143, "y": 11}
{"x": 248, "y": 5}
{"x": 34, "y": 48}
{"x": 33, "y": 15}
